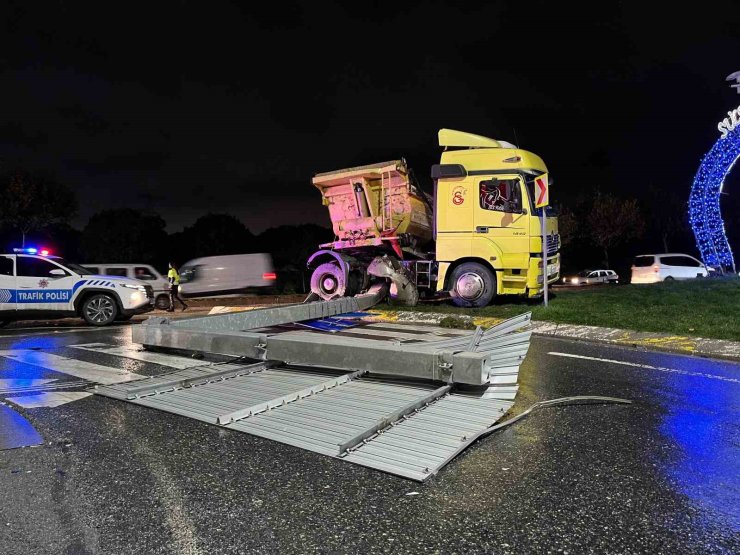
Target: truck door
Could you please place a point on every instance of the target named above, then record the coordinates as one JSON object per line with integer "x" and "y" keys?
{"x": 7, "y": 284}
{"x": 42, "y": 285}
{"x": 454, "y": 218}
{"x": 500, "y": 217}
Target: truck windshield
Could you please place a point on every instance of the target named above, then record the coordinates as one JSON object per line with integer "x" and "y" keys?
{"x": 549, "y": 210}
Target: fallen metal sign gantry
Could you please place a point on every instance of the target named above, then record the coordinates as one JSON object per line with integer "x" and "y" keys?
{"x": 406, "y": 428}
{"x": 400, "y": 398}
{"x": 475, "y": 358}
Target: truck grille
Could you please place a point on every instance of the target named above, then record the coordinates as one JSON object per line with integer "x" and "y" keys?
{"x": 149, "y": 291}
{"x": 553, "y": 243}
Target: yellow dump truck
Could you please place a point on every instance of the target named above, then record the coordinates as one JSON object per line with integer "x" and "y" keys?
{"x": 479, "y": 235}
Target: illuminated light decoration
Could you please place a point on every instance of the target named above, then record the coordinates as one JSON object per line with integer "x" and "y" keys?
{"x": 704, "y": 211}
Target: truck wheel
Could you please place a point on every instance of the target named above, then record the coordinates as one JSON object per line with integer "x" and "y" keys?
{"x": 328, "y": 282}
{"x": 99, "y": 310}
{"x": 473, "y": 285}
{"x": 162, "y": 302}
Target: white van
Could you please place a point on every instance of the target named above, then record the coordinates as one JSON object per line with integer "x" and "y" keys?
{"x": 142, "y": 272}
{"x": 229, "y": 274}
{"x": 652, "y": 268}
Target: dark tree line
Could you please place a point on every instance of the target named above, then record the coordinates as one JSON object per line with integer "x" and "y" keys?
{"x": 600, "y": 229}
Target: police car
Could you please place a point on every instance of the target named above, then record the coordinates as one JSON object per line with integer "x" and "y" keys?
{"x": 34, "y": 284}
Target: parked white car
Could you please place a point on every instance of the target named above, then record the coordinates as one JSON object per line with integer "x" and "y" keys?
{"x": 652, "y": 268}
{"x": 142, "y": 272}
{"x": 229, "y": 274}
{"x": 35, "y": 285}
{"x": 592, "y": 277}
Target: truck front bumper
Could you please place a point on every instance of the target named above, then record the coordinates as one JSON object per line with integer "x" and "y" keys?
{"x": 534, "y": 283}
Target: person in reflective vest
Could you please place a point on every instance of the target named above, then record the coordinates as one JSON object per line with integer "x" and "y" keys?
{"x": 174, "y": 278}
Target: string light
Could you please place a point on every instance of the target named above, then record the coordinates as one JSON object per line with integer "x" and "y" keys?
{"x": 704, "y": 213}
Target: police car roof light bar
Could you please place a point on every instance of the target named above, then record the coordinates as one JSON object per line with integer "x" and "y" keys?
{"x": 33, "y": 250}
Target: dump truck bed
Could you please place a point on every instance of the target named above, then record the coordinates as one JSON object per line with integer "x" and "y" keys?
{"x": 374, "y": 203}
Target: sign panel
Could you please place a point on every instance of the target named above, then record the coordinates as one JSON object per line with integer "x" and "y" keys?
{"x": 541, "y": 191}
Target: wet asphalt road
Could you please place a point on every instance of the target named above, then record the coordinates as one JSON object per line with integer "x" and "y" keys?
{"x": 658, "y": 476}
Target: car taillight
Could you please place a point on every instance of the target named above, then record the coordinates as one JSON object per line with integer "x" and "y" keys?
{"x": 269, "y": 276}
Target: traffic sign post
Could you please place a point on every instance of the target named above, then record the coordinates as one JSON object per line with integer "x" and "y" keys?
{"x": 542, "y": 200}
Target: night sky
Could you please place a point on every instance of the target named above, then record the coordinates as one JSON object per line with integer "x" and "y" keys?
{"x": 194, "y": 107}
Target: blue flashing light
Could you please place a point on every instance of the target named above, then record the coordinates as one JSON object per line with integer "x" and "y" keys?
{"x": 704, "y": 214}
{"x": 33, "y": 250}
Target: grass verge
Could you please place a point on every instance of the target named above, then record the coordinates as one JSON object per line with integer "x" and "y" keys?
{"x": 701, "y": 308}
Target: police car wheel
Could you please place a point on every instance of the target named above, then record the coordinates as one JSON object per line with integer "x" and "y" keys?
{"x": 162, "y": 302}
{"x": 99, "y": 310}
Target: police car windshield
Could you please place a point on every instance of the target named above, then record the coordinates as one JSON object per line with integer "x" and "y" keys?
{"x": 76, "y": 268}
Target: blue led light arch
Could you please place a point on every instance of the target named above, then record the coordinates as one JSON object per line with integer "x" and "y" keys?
{"x": 704, "y": 213}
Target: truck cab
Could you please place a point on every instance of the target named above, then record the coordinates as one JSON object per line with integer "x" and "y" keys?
{"x": 488, "y": 232}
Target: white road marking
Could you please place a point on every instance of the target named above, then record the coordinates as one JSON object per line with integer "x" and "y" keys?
{"x": 649, "y": 367}
{"x": 54, "y": 385}
{"x": 145, "y": 356}
{"x": 78, "y": 368}
{"x": 22, "y": 383}
{"x": 48, "y": 399}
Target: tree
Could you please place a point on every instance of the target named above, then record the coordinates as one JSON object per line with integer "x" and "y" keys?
{"x": 211, "y": 235}
{"x": 669, "y": 215}
{"x": 613, "y": 221}
{"x": 33, "y": 201}
{"x": 125, "y": 235}
{"x": 567, "y": 226}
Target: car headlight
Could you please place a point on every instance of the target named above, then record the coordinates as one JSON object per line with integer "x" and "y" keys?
{"x": 131, "y": 286}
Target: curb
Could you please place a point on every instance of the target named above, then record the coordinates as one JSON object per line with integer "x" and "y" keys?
{"x": 651, "y": 341}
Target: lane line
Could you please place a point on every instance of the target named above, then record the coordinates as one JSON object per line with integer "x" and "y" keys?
{"x": 649, "y": 367}
{"x": 24, "y": 383}
{"x": 77, "y": 368}
{"x": 53, "y": 399}
{"x": 56, "y": 385}
{"x": 145, "y": 356}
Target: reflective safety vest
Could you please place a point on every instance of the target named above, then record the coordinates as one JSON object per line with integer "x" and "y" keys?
{"x": 173, "y": 276}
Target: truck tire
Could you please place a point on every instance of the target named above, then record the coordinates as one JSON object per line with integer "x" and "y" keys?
{"x": 472, "y": 285}
{"x": 328, "y": 282}
{"x": 162, "y": 302}
{"x": 99, "y": 310}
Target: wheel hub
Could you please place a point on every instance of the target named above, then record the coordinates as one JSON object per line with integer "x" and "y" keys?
{"x": 328, "y": 284}
{"x": 470, "y": 286}
{"x": 100, "y": 310}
